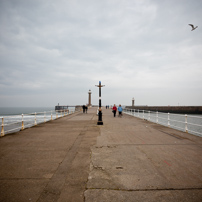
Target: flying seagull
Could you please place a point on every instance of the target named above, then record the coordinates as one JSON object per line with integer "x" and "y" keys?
{"x": 193, "y": 28}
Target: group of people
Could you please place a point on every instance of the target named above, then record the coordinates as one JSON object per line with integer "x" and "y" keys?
{"x": 85, "y": 108}
{"x": 114, "y": 110}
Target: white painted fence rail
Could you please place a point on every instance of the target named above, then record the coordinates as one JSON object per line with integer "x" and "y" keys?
{"x": 16, "y": 123}
{"x": 187, "y": 123}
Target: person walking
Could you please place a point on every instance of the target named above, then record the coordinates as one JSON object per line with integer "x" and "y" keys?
{"x": 114, "y": 109}
{"x": 84, "y": 108}
{"x": 120, "y": 109}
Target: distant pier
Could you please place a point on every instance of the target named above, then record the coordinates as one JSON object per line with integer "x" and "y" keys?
{"x": 170, "y": 109}
{"x": 66, "y": 107}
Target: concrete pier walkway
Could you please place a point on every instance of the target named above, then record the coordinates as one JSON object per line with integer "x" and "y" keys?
{"x": 126, "y": 159}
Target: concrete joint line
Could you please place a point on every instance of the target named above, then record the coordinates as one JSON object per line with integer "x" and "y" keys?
{"x": 157, "y": 189}
{"x": 53, "y": 189}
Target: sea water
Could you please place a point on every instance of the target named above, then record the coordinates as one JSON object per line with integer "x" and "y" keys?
{"x": 5, "y": 111}
{"x": 23, "y": 110}
{"x": 14, "y": 116}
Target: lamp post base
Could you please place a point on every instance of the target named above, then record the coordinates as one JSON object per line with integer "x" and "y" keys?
{"x": 99, "y": 123}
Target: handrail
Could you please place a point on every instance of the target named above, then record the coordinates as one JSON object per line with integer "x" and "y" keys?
{"x": 187, "y": 123}
{"x": 20, "y": 122}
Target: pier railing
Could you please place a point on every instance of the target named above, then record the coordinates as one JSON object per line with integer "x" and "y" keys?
{"x": 188, "y": 123}
{"x": 14, "y": 123}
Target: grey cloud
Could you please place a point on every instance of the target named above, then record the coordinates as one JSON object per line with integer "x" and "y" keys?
{"x": 137, "y": 48}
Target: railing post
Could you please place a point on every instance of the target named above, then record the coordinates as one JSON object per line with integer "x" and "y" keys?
{"x": 51, "y": 116}
{"x": 143, "y": 114}
{"x": 157, "y": 120}
{"x": 168, "y": 119}
{"x": 149, "y": 115}
{"x": 44, "y": 117}
{"x": 186, "y": 128}
{"x": 2, "y": 127}
{"x": 138, "y": 113}
{"x": 134, "y": 112}
{"x": 56, "y": 115}
{"x": 35, "y": 123}
{"x": 23, "y": 127}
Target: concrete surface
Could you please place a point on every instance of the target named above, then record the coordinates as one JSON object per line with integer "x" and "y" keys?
{"x": 49, "y": 162}
{"x": 136, "y": 160}
{"x": 126, "y": 159}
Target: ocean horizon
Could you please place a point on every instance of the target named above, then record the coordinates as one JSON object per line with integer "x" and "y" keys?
{"x": 23, "y": 110}
{"x": 5, "y": 111}
{"x": 12, "y": 116}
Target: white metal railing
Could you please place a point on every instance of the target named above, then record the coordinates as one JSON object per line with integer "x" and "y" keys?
{"x": 187, "y": 123}
{"x": 16, "y": 123}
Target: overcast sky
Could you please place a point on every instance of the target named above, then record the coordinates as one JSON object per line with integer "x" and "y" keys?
{"x": 55, "y": 51}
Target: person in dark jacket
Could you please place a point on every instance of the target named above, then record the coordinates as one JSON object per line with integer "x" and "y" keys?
{"x": 84, "y": 108}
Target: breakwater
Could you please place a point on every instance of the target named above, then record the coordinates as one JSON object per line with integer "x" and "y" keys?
{"x": 170, "y": 109}
{"x": 66, "y": 107}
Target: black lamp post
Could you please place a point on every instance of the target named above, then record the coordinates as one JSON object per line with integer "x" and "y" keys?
{"x": 100, "y": 122}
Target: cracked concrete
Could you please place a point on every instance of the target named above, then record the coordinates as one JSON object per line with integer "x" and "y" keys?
{"x": 135, "y": 160}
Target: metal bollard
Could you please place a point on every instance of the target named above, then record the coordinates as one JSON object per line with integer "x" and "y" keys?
{"x": 35, "y": 123}
{"x": 23, "y": 127}
{"x": 168, "y": 119}
{"x": 186, "y": 128}
{"x": 2, "y": 128}
{"x": 44, "y": 117}
{"x": 157, "y": 120}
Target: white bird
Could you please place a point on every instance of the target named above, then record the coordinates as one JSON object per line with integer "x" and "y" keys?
{"x": 193, "y": 28}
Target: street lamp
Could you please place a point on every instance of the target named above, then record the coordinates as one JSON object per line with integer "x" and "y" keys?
{"x": 100, "y": 122}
